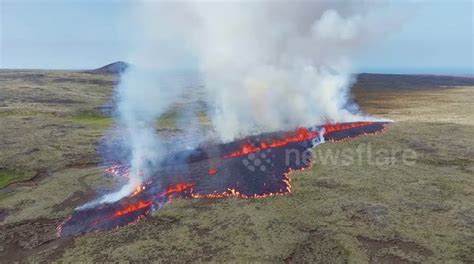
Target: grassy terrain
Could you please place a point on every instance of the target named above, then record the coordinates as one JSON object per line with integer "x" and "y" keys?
{"x": 377, "y": 212}
{"x": 50, "y": 120}
{"x": 8, "y": 176}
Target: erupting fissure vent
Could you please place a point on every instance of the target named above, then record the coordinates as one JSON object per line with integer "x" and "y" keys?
{"x": 253, "y": 167}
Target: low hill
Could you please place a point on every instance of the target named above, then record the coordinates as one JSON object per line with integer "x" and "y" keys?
{"x": 112, "y": 68}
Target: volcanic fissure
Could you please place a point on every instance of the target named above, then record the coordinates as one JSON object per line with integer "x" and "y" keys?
{"x": 253, "y": 167}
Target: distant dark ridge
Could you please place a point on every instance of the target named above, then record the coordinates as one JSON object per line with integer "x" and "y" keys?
{"x": 113, "y": 68}
{"x": 405, "y": 81}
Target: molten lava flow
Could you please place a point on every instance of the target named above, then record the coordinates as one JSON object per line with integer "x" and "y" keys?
{"x": 344, "y": 126}
{"x": 138, "y": 190}
{"x": 264, "y": 174}
{"x": 132, "y": 208}
{"x": 178, "y": 188}
{"x": 301, "y": 134}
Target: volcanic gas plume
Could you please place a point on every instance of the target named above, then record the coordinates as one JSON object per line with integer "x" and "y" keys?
{"x": 264, "y": 67}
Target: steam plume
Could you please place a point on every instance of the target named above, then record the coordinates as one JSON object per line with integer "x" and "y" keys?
{"x": 265, "y": 66}
{"x": 277, "y": 65}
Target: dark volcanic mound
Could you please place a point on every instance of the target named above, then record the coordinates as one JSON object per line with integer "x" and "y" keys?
{"x": 112, "y": 68}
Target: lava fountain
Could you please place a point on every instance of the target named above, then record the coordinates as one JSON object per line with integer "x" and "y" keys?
{"x": 253, "y": 167}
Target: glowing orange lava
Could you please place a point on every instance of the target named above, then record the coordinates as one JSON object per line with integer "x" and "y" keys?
{"x": 138, "y": 190}
{"x": 212, "y": 171}
{"x": 146, "y": 196}
{"x": 339, "y": 127}
{"x": 301, "y": 134}
{"x": 178, "y": 188}
{"x": 133, "y": 207}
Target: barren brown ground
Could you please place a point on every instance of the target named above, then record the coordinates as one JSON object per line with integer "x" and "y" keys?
{"x": 376, "y": 211}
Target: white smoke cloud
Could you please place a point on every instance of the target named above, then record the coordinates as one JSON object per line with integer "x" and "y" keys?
{"x": 273, "y": 65}
{"x": 266, "y": 65}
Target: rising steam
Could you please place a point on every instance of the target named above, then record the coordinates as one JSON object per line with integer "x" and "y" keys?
{"x": 265, "y": 66}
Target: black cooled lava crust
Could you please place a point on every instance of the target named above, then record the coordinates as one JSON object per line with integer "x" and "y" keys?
{"x": 211, "y": 174}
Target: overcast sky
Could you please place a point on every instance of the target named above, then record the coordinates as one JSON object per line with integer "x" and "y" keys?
{"x": 73, "y": 34}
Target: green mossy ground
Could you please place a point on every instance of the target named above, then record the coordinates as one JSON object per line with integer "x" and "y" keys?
{"x": 419, "y": 211}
